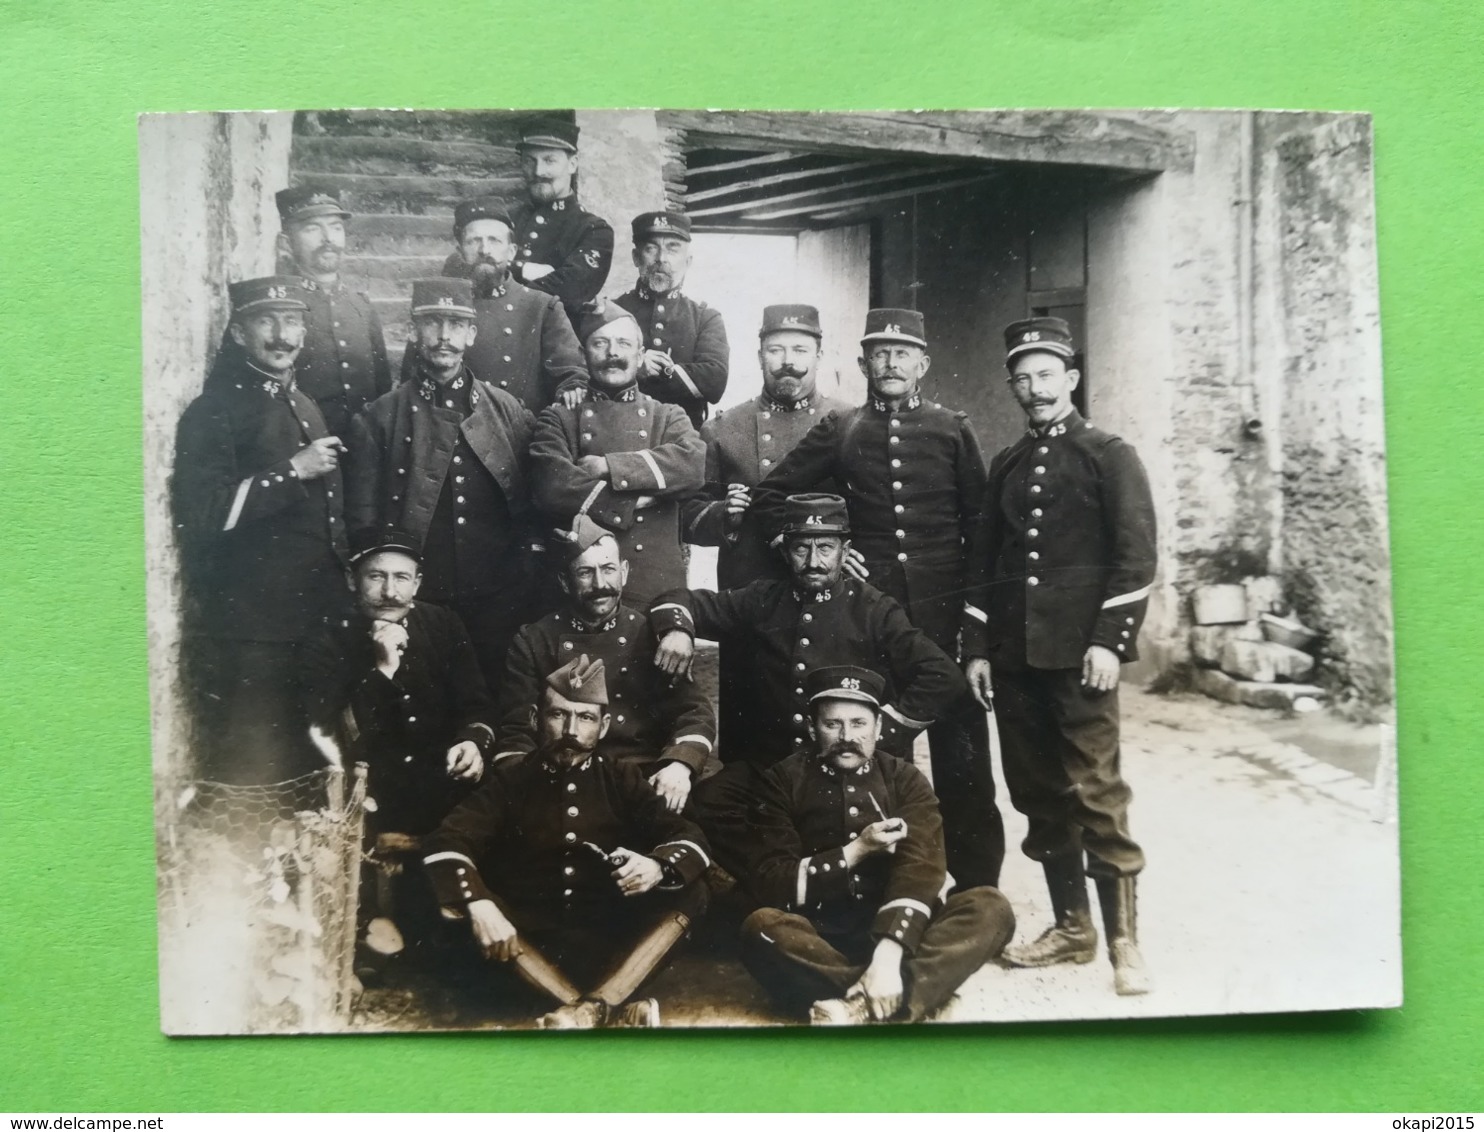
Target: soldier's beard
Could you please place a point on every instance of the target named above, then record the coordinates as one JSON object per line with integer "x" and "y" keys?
{"x": 487, "y": 276}
{"x": 565, "y": 750}
{"x": 787, "y": 385}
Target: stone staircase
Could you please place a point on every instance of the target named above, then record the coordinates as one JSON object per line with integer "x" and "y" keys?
{"x": 401, "y": 173}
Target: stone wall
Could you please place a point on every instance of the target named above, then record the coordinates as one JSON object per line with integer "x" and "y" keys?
{"x": 206, "y": 217}
{"x": 1318, "y": 265}
{"x": 624, "y": 162}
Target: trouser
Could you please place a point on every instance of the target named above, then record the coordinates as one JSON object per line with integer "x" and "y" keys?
{"x": 798, "y": 965}
{"x": 973, "y": 831}
{"x": 722, "y": 806}
{"x": 1059, "y": 746}
{"x": 492, "y": 620}
{"x": 608, "y": 960}
{"x": 254, "y": 728}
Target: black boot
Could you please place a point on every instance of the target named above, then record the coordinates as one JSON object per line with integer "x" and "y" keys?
{"x": 1072, "y": 939}
{"x": 1120, "y": 920}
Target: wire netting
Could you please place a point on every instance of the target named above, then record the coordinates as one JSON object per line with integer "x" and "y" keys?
{"x": 257, "y": 898}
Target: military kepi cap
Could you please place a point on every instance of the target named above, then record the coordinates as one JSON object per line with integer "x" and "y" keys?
{"x": 549, "y": 134}
{"x": 484, "y": 208}
{"x": 890, "y": 324}
{"x": 374, "y": 540}
{"x": 582, "y": 680}
{"x": 1052, "y": 335}
{"x": 584, "y": 533}
{"x": 304, "y": 203}
{"x": 650, "y": 224}
{"x": 791, "y": 316}
{"x": 845, "y": 682}
{"x": 815, "y": 513}
{"x": 267, "y": 293}
{"x": 443, "y": 296}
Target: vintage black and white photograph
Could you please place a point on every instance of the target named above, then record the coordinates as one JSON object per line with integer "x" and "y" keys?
{"x": 618, "y": 569}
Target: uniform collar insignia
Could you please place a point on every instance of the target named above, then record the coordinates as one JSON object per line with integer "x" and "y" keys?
{"x": 429, "y": 387}
{"x": 581, "y": 626}
{"x": 628, "y": 393}
{"x": 272, "y": 386}
{"x": 907, "y": 406}
{"x": 799, "y": 406}
{"x": 649, "y": 296}
{"x": 1057, "y": 427}
{"x": 555, "y": 768}
{"x": 817, "y": 598}
{"x": 864, "y": 768}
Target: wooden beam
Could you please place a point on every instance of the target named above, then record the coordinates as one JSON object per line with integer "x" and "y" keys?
{"x": 1142, "y": 142}
{"x": 743, "y": 163}
{"x": 802, "y": 194}
{"x": 873, "y": 198}
{"x": 779, "y": 179}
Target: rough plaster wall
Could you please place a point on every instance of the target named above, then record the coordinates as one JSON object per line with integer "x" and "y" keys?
{"x": 1223, "y": 479}
{"x": 206, "y": 217}
{"x": 1318, "y": 206}
{"x": 625, "y": 146}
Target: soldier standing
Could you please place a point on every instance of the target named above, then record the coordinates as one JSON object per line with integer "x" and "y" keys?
{"x": 745, "y": 442}
{"x": 1062, "y": 561}
{"x": 622, "y": 458}
{"x": 686, "y": 354}
{"x": 343, "y": 364}
{"x": 913, "y": 476}
{"x": 258, "y": 511}
{"x": 563, "y": 250}
{"x": 524, "y": 343}
{"x": 444, "y": 458}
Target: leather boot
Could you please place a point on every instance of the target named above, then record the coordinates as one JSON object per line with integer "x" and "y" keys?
{"x": 1072, "y": 939}
{"x": 1120, "y": 920}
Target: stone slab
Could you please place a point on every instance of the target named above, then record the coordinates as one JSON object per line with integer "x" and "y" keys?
{"x": 1219, "y": 686}
{"x": 1263, "y": 661}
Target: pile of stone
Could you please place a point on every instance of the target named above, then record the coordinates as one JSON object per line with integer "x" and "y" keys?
{"x": 1245, "y": 649}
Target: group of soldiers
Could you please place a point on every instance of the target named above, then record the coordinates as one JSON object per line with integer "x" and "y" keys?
{"x": 470, "y": 575}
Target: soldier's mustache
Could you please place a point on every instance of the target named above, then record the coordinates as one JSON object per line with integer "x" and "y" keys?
{"x": 788, "y": 371}
{"x": 614, "y": 363}
{"x": 278, "y": 344}
{"x": 846, "y": 747}
{"x": 600, "y": 592}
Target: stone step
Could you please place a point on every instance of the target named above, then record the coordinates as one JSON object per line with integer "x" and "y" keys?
{"x": 403, "y": 193}
{"x": 399, "y": 269}
{"x": 497, "y": 127}
{"x": 1219, "y": 686}
{"x": 359, "y": 153}
{"x": 391, "y": 233}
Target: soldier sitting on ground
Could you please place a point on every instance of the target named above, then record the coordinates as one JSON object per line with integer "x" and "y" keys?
{"x": 852, "y": 865}
{"x": 570, "y": 868}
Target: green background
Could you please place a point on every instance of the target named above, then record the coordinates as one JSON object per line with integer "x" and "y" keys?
{"x": 77, "y": 946}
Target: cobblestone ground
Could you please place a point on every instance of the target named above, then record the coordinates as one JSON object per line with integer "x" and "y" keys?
{"x": 1272, "y": 885}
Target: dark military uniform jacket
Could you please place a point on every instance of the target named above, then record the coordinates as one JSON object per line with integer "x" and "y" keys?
{"x": 653, "y": 454}
{"x": 343, "y": 364}
{"x": 523, "y": 344}
{"x": 696, "y": 340}
{"x": 806, "y": 813}
{"x": 262, "y": 551}
{"x": 743, "y": 444}
{"x": 578, "y": 244}
{"x": 781, "y": 634}
{"x": 651, "y": 720}
{"x": 1063, "y": 555}
{"x": 462, "y": 484}
{"x": 401, "y": 727}
{"x": 913, "y": 480}
{"x": 521, "y": 840}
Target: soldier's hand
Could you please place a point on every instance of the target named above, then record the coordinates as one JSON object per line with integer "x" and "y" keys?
{"x": 636, "y": 873}
{"x": 981, "y": 682}
{"x": 530, "y": 272}
{"x": 390, "y": 639}
{"x": 657, "y": 363}
{"x": 464, "y": 762}
{"x": 676, "y": 654}
{"x": 855, "y": 565}
{"x": 878, "y": 837}
{"x": 573, "y": 397}
{"x": 672, "y": 783}
{"x": 492, "y": 931}
{"x": 596, "y": 466}
{"x": 881, "y": 985}
{"x": 1100, "y": 669}
{"x": 317, "y": 458}
{"x": 739, "y": 499}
